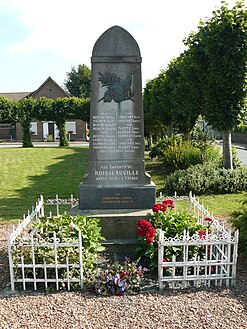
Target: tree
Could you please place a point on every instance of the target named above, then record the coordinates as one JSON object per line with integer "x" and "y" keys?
{"x": 60, "y": 110}
{"x": 24, "y": 113}
{"x": 6, "y": 109}
{"x": 153, "y": 126}
{"x": 56, "y": 110}
{"x": 78, "y": 81}
{"x": 157, "y": 106}
{"x": 79, "y": 108}
{"x": 220, "y": 49}
{"x": 185, "y": 93}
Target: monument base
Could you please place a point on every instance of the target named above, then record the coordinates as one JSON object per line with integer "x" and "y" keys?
{"x": 116, "y": 197}
{"x": 118, "y": 228}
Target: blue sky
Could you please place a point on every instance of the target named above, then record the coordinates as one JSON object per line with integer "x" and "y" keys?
{"x": 46, "y": 38}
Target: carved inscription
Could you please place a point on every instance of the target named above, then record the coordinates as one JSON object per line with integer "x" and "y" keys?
{"x": 116, "y": 173}
{"x": 118, "y": 133}
{"x": 117, "y": 198}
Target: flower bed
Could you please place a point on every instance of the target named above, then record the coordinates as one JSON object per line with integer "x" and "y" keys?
{"x": 63, "y": 252}
{"x": 189, "y": 249}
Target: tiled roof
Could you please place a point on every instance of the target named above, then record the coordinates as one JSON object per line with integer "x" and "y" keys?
{"x": 19, "y": 95}
{"x": 15, "y": 96}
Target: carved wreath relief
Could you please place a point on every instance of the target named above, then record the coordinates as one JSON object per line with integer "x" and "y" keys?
{"x": 118, "y": 90}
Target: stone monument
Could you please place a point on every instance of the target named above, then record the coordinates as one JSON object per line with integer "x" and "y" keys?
{"x": 116, "y": 180}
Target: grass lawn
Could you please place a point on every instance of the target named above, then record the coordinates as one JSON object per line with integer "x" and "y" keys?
{"x": 28, "y": 172}
{"x": 218, "y": 205}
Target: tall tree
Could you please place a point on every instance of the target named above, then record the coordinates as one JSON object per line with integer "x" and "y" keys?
{"x": 60, "y": 110}
{"x": 6, "y": 109}
{"x": 220, "y": 46}
{"x": 157, "y": 106}
{"x": 153, "y": 126}
{"x": 78, "y": 81}
{"x": 24, "y": 113}
{"x": 186, "y": 93}
{"x": 79, "y": 108}
{"x": 57, "y": 110}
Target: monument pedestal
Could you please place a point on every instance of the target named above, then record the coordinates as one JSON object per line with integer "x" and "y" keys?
{"x": 116, "y": 197}
{"x": 118, "y": 227}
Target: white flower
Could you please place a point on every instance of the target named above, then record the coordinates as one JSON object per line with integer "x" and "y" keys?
{"x": 72, "y": 225}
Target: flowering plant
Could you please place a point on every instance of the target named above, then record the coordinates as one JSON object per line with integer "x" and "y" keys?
{"x": 173, "y": 224}
{"x": 113, "y": 278}
{"x": 164, "y": 205}
{"x": 146, "y": 230}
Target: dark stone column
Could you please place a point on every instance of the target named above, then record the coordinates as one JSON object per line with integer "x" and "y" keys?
{"x": 116, "y": 178}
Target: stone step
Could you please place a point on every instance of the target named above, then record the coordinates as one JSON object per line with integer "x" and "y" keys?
{"x": 122, "y": 247}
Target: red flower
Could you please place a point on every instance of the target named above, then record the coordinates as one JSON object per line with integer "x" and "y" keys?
{"x": 149, "y": 240}
{"x": 159, "y": 207}
{"x": 165, "y": 261}
{"x": 169, "y": 203}
{"x": 146, "y": 230}
{"x": 208, "y": 219}
{"x": 202, "y": 234}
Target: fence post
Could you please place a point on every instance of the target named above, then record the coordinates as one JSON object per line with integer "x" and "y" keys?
{"x": 55, "y": 256}
{"x": 11, "y": 271}
{"x": 42, "y": 210}
{"x": 160, "y": 258}
{"x": 57, "y": 205}
{"x": 80, "y": 259}
{"x": 33, "y": 260}
{"x": 235, "y": 256}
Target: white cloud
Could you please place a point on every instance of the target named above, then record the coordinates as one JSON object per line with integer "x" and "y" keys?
{"x": 70, "y": 28}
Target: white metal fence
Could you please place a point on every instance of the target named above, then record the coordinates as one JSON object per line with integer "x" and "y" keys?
{"x": 214, "y": 263}
{"x": 204, "y": 259}
{"x": 28, "y": 269}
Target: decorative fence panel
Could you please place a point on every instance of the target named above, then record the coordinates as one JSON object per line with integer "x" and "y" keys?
{"x": 28, "y": 266}
{"x": 213, "y": 263}
{"x": 204, "y": 259}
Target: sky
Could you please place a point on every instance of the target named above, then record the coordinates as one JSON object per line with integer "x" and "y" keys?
{"x": 42, "y": 38}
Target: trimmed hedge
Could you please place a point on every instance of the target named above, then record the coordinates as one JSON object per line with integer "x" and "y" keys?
{"x": 206, "y": 179}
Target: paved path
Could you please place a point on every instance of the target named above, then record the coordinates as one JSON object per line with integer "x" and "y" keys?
{"x": 241, "y": 151}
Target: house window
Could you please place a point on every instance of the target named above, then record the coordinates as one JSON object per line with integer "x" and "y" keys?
{"x": 71, "y": 127}
{"x": 34, "y": 128}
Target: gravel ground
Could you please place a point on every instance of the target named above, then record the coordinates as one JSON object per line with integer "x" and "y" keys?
{"x": 199, "y": 309}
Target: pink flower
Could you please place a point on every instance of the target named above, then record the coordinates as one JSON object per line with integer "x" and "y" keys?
{"x": 72, "y": 225}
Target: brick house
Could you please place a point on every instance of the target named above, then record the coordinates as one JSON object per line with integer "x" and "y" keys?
{"x": 45, "y": 130}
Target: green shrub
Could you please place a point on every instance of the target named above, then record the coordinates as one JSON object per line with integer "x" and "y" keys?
{"x": 180, "y": 156}
{"x": 173, "y": 224}
{"x": 206, "y": 179}
{"x": 185, "y": 154}
{"x": 158, "y": 149}
{"x": 239, "y": 221}
{"x": 65, "y": 227}
{"x": 241, "y": 128}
